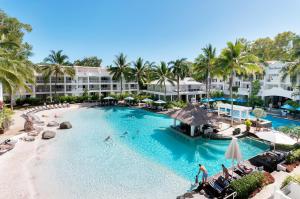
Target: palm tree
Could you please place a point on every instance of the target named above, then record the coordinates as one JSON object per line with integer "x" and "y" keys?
{"x": 140, "y": 71}
{"x": 57, "y": 66}
{"x": 163, "y": 74}
{"x": 292, "y": 69}
{"x": 205, "y": 65}
{"x": 180, "y": 70}
{"x": 15, "y": 70}
{"x": 234, "y": 60}
{"x": 121, "y": 70}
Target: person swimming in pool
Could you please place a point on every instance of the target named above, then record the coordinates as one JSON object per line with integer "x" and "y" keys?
{"x": 204, "y": 173}
{"x": 124, "y": 134}
{"x": 107, "y": 138}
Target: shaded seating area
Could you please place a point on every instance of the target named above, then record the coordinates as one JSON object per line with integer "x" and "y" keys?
{"x": 268, "y": 161}
{"x": 192, "y": 119}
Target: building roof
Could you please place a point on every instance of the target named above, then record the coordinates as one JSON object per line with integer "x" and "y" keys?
{"x": 185, "y": 81}
{"x": 192, "y": 115}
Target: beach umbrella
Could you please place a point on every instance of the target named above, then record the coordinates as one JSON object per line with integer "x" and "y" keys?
{"x": 108, "y": 98}
{"x": 231, "y": 100}
{"x": 205, "y": 100}
{"x": 241, "y": 100}
{"x": 129, "y": 98}
{"x": 288, "y": 107}
{"x": 275, "y": 137}
{"x": 147, "y": 100}
{"x": 219, "y": 98}
{"x": 160, "y": 102}
{"x": 233, "y": 152}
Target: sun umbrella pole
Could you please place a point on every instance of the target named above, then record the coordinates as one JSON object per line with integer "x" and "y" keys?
{"x": 232, "y": 167}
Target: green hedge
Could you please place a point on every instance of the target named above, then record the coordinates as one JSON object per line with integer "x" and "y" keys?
{"x": 293, "y": 156}
{"x": 247, "y": 184}
{"x": 31, "y": 101}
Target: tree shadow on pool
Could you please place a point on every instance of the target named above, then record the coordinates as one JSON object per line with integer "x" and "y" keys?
{"x": 180, "y": 146}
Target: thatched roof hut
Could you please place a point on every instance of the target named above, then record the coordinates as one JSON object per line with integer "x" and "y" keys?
{"x": 191, "y": 115}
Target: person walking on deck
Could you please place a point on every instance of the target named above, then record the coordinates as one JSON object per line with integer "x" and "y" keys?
{"x": 204, "y": 173}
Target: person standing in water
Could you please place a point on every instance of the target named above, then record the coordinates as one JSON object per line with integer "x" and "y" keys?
{"x": 204, "y": 173}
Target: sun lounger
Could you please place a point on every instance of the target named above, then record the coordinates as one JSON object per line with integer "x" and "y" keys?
{"x": 269, "y": 161}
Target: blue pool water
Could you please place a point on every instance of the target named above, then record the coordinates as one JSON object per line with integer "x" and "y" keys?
{"x": 149, "y": 161}
{"x": 278, "y": 122}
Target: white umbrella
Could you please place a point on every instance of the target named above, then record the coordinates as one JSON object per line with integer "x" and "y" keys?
{"x": 275, "y": 137}
{"x": 160, "y": 102}
{"x": 233, "y": 152}
{"x": 108, "y": 98}
{"x": 147, "y": 100}
{"x": 129, "y": 98}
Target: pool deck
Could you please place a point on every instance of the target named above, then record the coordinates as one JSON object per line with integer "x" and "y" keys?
{"x": 202, "y": 195}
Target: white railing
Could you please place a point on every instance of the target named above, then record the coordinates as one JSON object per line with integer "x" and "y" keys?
{"x": 233, "y": 195}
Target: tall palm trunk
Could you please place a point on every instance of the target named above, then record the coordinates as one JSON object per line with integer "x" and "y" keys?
{"x": 11, "y": 101}
{"x": 165, "y": 90}
{"x": 121, "y": 84}
{"x": 230, "y": 85}
{"x": 1, "y": 91}
{"x": 178, "y": 86}
{"x": 55, "y": 85}
{"x": 208, "y": 85}
{"x": 139, "y": 85}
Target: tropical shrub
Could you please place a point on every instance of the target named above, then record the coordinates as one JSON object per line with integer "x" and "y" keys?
{"x": 284, "y": 147}
{"x": 179, "y": 104}
{"x": 259, "y": 113}
{"x": 214, "y": 94}
{"x": 247, "y": 184}
{"x": 289, "y": 179}
{"x": 293, "y": 131}
{"x": 31, "y": 101}
{"x": 5, "y": 117}
{"x": 293, "y": 156}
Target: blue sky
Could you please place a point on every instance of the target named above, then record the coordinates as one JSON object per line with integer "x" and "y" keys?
{"x": 157, "y": 30}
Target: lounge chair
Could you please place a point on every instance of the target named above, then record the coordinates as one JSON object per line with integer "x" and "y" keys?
{"x": 218, "y": 188}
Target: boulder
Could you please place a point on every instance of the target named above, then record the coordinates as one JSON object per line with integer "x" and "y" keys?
{"x": 28, "y": 126}
{"x": 65, "y": 125}
{"x": 48, "y": 134}
{"x": 52, "y": 124}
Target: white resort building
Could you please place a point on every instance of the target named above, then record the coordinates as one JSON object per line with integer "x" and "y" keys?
{"x": 95, "y": 80}
{"x": 273, "y": 89}
{"x": 189, "y": 88}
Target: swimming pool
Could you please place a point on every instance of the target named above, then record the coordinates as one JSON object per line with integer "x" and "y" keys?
{"x": 278, "y": 122}
{"x": 148, "y": 161}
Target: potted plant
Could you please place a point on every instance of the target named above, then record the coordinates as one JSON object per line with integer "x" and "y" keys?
{"x": 248, "y": 124}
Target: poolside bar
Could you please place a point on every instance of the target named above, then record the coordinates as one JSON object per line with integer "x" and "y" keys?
{"x": 190, "y": 117}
